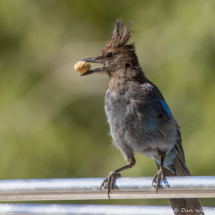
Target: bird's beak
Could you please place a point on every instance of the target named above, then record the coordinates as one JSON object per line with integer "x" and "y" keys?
{"x": 92, "y": 60}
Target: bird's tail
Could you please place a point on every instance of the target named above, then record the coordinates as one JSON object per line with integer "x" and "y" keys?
{"x": 186, "y": 206}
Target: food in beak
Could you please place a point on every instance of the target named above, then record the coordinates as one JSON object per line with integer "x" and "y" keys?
{"x": 82, "y": 67}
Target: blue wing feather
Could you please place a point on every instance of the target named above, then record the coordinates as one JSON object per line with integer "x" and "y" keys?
{"x": 159, "y": 103}
{"x": 162, "y": 106}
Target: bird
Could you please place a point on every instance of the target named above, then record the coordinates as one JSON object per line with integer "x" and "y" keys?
{"x": 139, "y": 118}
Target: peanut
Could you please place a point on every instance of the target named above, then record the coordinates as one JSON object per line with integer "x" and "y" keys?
{"x": 82, "y": 67}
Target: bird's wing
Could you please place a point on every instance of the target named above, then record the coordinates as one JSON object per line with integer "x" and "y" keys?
{"x": 162, "y": 109}
{"x": 161, "y": 106}
{"x": 156, "y": 100}
{"x": 179, "y": 147}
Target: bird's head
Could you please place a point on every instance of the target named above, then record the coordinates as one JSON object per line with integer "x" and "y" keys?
{"x": 116, "y": 54}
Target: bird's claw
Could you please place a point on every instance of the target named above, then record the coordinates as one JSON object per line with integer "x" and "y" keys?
{"x": 109, "y": 181}
{"x": 159, "y": 176}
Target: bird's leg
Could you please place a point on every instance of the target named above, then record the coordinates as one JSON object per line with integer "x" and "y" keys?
{"x": 159, "y": 176}
{"x": 113, "y": 175}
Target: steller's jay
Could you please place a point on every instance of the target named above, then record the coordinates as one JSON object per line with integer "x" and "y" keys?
{"x": 139, "y": 118}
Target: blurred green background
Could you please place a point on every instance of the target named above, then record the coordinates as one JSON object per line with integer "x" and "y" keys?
{"x": 52, "y": 121}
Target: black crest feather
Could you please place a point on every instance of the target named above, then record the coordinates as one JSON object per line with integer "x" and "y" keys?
{"x": 120, "y": 35}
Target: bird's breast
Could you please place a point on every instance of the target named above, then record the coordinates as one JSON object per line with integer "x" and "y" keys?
{"x": 123, "y": 115}
{"x": 133, "y": 123}
{"x": 126, "y": 110}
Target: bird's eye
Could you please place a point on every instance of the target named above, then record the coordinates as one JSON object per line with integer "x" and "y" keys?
{"x": 109, "y": 55}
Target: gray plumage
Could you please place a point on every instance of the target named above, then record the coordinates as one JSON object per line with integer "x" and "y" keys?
{"x": 139, "y": 117}
{"x": 139, "y": 122}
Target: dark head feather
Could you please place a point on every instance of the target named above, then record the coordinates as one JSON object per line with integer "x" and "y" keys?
{"x": 120, "y": 35}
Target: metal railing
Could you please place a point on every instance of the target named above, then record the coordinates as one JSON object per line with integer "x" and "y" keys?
{"x": 89, "y": 188}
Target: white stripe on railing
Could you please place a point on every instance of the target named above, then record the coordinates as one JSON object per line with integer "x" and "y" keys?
{"x": 26, "y": 209}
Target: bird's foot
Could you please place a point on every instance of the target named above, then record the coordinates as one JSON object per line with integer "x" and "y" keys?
{"x": 109, "y": 181}
{"x": 159, "y": 176}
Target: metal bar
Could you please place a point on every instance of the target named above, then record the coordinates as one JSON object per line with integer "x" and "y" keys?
{"x": 89, "y": 188}
{"x": 26, "y": 209}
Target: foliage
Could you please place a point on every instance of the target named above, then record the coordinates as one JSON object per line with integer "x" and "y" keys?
{"x": 52, "y": 122}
